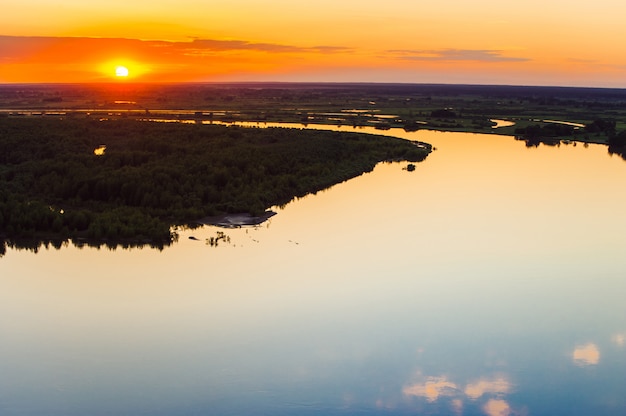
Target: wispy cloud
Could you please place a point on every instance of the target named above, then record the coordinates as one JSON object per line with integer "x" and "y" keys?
{"x": 231, "y": 45}
{"x": 18, "y": 47}
{"x": 582, "y": 61}
{"x": 479, "y": 55}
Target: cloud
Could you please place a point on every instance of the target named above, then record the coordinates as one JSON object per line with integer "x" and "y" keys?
{"x": 582, "y": 61}
{"x": 479, "y": 55}
{"x": 619, "y": 339}
{"x": 586, "y": 355}
{"x": 233, "y": 45}
{"x": 16, "y": 48}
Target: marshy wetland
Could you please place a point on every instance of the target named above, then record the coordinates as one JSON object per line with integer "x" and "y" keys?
{"x": 467, "y": 108}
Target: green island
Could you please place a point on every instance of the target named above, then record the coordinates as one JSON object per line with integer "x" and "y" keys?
{"x": 152, "y": 174}
{"x": 128, "y": 182}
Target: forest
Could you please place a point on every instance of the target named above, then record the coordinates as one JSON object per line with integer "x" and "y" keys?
{"x": 129, "y": 181}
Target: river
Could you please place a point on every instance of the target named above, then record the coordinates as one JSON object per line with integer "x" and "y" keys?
{"x": 489, "y": 281}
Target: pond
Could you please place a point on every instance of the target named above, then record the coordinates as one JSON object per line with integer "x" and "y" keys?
{"x": 489, "y": 281}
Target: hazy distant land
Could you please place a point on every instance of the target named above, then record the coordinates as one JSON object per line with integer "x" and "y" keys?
{"x": 467, "y": 108}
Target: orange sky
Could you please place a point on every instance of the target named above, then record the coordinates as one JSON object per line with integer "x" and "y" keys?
{"x": 456, "y": 41}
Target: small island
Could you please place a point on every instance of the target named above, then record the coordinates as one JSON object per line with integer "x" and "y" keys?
{"x": 128, "y": 182}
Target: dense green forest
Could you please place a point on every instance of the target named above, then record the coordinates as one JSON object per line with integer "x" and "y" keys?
{"x": 150, "y": 176}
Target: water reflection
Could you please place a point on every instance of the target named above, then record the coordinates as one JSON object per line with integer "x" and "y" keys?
{"x": 489, "y": 282}
{"x": 497, "y": 407}
{"x": 35, "y": 246}
{"x": 99, "y": 151}
{"x": 501, "y": 123}
{"x": 487, "y": 392}
{"x": 497, "y": 385}
{"x": 586, "y": 355}
{"x": 432, "y": 389}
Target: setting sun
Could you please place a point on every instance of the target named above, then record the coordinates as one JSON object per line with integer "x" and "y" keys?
{"x": 185, "y": 40}
{"x": 123, "y": 68}
{"x": 121, "y": 71}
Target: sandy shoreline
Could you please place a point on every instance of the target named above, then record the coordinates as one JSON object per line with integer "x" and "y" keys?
{"x": 236, "y": 220}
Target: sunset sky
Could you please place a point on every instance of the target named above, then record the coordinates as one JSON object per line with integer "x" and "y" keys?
{"x": 577, "y": 43}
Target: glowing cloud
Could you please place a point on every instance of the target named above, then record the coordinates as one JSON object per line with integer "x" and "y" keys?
{"x": 619, "y": 339}
{"x": 80, "y": 59}
{"x": 586, "y": 355}
{"x": 482, "y": 55}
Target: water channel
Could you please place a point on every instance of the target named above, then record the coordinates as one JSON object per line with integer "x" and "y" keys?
{"x": 489, "y": 281}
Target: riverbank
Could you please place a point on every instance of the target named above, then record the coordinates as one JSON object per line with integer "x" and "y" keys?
{"x": 236, "y": 220}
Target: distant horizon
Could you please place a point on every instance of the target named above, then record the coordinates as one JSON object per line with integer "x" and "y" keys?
{"x": 306, "y": 83}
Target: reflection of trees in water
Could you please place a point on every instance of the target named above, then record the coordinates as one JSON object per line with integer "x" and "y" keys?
{"x": 536, "y": 141}
{"x": 215, "y": 241}
{"x": 36, "y": 245}
{"x": 617, "y": 145}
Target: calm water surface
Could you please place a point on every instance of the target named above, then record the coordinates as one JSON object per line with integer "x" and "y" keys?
{"x": 489, "y": 281}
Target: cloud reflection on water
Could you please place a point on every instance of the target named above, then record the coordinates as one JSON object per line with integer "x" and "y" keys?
{"x": 498, "y": 385}
{"x": 586, "y": 355}
{"x": 432, "y": 389}
{"x": 497, "y": 407}
{"x": 435, "y": 388}
{"x": 457, "y": 406}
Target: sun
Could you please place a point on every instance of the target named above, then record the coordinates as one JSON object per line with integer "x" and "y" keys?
{"x": 121, "y": 71}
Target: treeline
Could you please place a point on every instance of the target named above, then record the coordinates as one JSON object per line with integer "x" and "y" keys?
{"x": 548, "y": 132}
{"x": 155, "y": 175}
{"x": 617, "y": 144}
{"x": 537, "y": 131}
